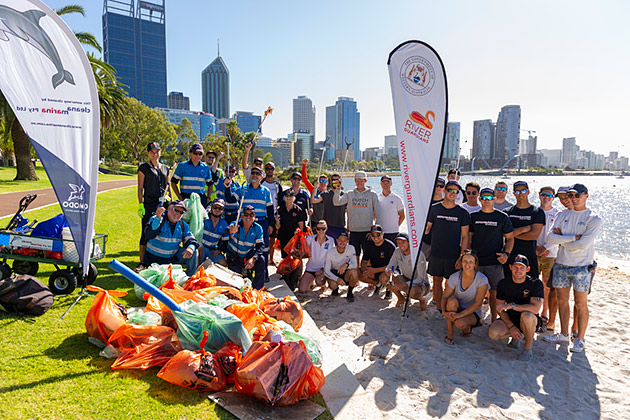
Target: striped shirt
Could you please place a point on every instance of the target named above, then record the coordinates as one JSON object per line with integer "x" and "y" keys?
{"x": 193, "y": 179}
{"x": 247, "y": 244}
{"x": 164, "y": 241}
{"x": 213, "y": 235}
{"x": 259, "y": 198}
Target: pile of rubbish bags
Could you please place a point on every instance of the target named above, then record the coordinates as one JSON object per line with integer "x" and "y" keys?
{"x": 221, "y": 336}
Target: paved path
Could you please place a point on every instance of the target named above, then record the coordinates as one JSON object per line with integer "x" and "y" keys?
{"x": 9, "y": 202}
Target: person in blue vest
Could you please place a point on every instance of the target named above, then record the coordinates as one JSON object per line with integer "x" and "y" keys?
{"x": 229, "y": 214}
{"x": 166, "y": 234}
{"x": 193, "y": 175}
{"x": 245, "y": 248}
{"x": 215, "y": 233}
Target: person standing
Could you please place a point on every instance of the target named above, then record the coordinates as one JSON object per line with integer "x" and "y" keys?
{"x": 575, "y": 231}
{"x": 500, "y": 192}
{"x": 472, "y": 192}
{"x": 230, "y": 208}
{"x": 315, "y": 191}
{"x": 391, "y": 211}
{"x": 152, "y": 180}
{"x": 194, "y": 175}
{"x": 275, "y": 189}
{"x": 335, "y": 216}
{"x": 448, "y": 224}
{"x": 547, "y": 252}
{"x": 453, "y": 175}
{"x": 438, "y": 196}
{"x": 258, "y": 162}
{"x": 302, "y": 197}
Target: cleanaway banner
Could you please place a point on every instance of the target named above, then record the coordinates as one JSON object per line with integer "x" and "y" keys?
{"x": 47, "y": 79}
{"x": 419, "y": 94}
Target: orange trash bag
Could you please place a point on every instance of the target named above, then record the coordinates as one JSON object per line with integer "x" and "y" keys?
{"x": 229, "y": 357}
{"x": 200, "y": 280}
{"x": 278, "y": 373}
{"x": 285, "y": 309}
{"x": 105, "y": 314}
{"x": 251, "y": 295}
{"x": 297, "y": 246}
{"x": 198, "y": 370}
{"x": 287, "y": 265}
{"x": 144, "y": 346}
{"x": 175, "y": 292}
{"x": 246, "y": 312}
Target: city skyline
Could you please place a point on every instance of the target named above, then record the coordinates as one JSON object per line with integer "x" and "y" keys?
{"x": 561, "y": 89}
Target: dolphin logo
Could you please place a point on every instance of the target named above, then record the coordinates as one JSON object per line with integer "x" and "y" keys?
{"x": 77, "y": 192}
{"x": 25, "y": 26}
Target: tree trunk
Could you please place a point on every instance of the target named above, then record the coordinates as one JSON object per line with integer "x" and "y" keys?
{"x": 22, "y": 150}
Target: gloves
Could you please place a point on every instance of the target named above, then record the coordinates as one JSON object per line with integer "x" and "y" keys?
{"x": 141, "y": 210}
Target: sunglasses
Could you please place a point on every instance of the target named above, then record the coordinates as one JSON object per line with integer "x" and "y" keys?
{"x": 178, "y": 211}
{"x": 500, "y": 188}
{"x": 217, "y": 208}
{"x": 469, "y": 252}
{"x": 376, "y": 234}
{"x": 575, "y": 195}
{"x": 211, "y": 157}
{"x": 471, "y": 192}
{"x": 546, "y": 194}
{"x": 269, "y": 168}
{"x": 198, "y": 154}
{"x": 486, "y": 198}
{"x": 232, "y": 172}
{"x": 257, "y": 173}
{"x": 523, "y": 191}
{"x": 321, "y": 229}
{"x": 323, "y": 181}
{"x": 452, "y": 190}
{"x": 248, "y": 215}
{"x": 439, "y": 185}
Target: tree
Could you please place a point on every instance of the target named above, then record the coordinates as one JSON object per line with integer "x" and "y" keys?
{"x": 267, "y": 158}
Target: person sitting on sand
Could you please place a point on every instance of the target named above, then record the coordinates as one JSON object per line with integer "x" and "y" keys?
{"x": 463, "y": 297}
{"x": 341, "y": 267}
{"x": 519, "y": 299}
{"x": 403, "y": 272}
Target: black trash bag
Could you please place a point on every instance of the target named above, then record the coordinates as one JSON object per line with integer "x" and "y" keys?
{"x": 25, "y": 294}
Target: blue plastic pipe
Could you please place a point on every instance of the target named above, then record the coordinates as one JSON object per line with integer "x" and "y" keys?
{"x": 148, "y": 287}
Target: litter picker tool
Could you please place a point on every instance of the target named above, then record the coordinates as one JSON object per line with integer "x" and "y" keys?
{"x": 346, "y": 156}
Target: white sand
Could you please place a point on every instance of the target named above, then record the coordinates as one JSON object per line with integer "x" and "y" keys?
{"x": 414, "y": 374}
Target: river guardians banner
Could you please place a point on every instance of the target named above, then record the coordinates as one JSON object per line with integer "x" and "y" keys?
{"x": 47, "y": 79}
{"x": 419, "y": 94}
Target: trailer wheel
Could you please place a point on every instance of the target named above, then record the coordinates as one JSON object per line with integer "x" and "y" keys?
{"x": 5, "y": 271}
{"x": 91, "y": 277}
{"x": 25, "y": 267}
{"x": 62, "y": 282}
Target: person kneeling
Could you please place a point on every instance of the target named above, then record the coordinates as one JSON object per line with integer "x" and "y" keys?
{"x": 164, "y": 234}
{"x": 463, "y": 297}
{"x": 376, "y": 255}
{"x": 341, "y": 267}
{"x": 245, "y": 249}
{"x": 319, "y": 244}
{"x": 215, "y": 233}
{"x": 519, "y": 299}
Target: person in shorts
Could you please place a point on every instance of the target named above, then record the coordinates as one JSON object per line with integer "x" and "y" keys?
{"x": 438, "y": 196}
{"x": 546, "y": 253}
{"x": 319, "y": 244}
{"x": 376, "y": 255}
{"x": 341, "y": 267}
{"x": 519, "y": 299}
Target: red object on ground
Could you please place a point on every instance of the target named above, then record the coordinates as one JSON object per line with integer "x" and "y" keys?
{"x": 229, "y": 357}
{"x": 297, "y": 246}
{"x": 144, "y": 346}
{"x": 284, "y": 309}
{"x": 105, "y": 315}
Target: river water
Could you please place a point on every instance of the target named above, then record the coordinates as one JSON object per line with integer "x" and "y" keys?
{"x": 609, "y": 197}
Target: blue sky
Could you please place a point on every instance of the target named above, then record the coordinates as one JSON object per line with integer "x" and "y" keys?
{"x": 565, "y": 62}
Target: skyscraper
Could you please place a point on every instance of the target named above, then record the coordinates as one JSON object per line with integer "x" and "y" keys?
{"x": 303, "y": 115}
{"x": 134, "y": 43}
{"x": 391, "y": 146}
{"x": 451, "y": 142}
{"x": 483, "y": 139}
{"x": 247, "y": 122}
{"x": 343, "y": 125}
{"x": 177, "y": 100}
{"x": 507, "y": 133}
{"x": 215, "y": 88}
{"x": 304, "y": 144}
{"x": 569, "y": 150}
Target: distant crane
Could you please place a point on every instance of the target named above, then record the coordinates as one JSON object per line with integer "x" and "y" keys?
{"x": 529, "y": 131}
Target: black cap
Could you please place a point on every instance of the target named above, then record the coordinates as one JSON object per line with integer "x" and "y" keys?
{"x": 342, "y": 234}
{"x": 218, "y": 202}
{"x": 402, "y": 235}
{"x": 177, "y": 203}
{"x": 486, "y": 191}
{"x": 440, "y": 179}
{"x": 386, "y": 178}
{"x": 258, "y": 159}
{"x": 153, "y": 145}
{"x": 521, "y": 184}
{"x": 376, "y": 228}
{"x": 270, "y": 165}
{"x": 521, "y": 259}
{"x": 249, "y": 207}
{"x": 578, "y": 188}
{"x": 257, "y": 169}
{"x": 453, "y": 183}
{"x": 195, "y": 148}
{"x": 453, "y": 171}
{"x": 288, "y": 193}
{"x": 296, "y": 175}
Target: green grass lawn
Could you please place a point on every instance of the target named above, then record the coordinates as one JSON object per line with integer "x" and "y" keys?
{"x": 48, "y": 369}
{"x": 8, "y": 185}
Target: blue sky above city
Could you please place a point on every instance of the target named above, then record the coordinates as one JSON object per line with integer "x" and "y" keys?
{"x": 564, "y": 62}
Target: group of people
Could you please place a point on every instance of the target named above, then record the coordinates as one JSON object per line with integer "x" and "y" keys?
{"x": 524, "y": 259}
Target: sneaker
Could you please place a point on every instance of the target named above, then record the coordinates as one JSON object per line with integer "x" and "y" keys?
{"x": 577, "y": 346}
{"x": 350, "y": 298}
{"x": 514, "y": 344}
{"x": 388, "y": 294}
{"x": 335, "y": 292}
{"x": 557, "y": 338}
{"x": 376, "y": 291}
{"x": 526, "y": 356}
{"x": 139, "y": 268}
{"x": 573, "y": 335}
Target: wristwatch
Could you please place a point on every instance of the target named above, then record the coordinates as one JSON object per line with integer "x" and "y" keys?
{"x": 513, "y": 305}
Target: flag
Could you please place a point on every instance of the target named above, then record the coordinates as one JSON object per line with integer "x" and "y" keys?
{"x": 48, "y": 81}
{"x": 419, "y": 94}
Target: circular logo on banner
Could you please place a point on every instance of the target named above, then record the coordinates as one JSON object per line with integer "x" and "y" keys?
{"x": 417, "y": 75}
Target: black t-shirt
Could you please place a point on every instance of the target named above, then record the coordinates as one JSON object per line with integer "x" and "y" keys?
{"x": 446, "y": 230}
{"x": 379, "y": 256}
{"x": 289, "y": 221}
{"x": 154, "y": 180}
{"x": 525, "y": 217}
{"x": 488, "y": 229}
{"x": 426, "y": 238}
{"x": 520, "y": 293}
{"x": 335, "y": 216}
{"x": 302, "y": 199}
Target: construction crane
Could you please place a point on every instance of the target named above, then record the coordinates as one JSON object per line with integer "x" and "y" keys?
{"x": 529, "y": 131}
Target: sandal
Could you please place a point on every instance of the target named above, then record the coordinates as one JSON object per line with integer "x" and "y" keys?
{"x": 467, "y": 333}
{"x": 448, "y": 340}
{"x": 545, "y": 320}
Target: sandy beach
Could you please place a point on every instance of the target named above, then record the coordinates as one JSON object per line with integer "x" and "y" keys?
{"x": 414, "y": 374}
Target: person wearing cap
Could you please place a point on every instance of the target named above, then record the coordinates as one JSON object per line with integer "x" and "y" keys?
{"x": 315, "y": 191}
{"x": 258, "y": 162}
{"x": 152, "y": 185}
{"x": 400, "y": 268}
{"x": 166, "y": 234}
{"x": 245, "y": 249}
{"x": 376, "y": 255}
{"x": 448, "y": 224}
{"x": 215, "y": 233}
{"x": 519, "y": 299}
{"x": 341, "y": 267}
{"x": 231, "y": 208}
{"x": 362, "y": 208}
{"x": 463, "y": 296}
{"x": 492, "y": 238}
{"x": 438, "y": 197}
{"x": 500, "y": 192}
{"x": 212, "y": 160}
{"x": 391, "y": 210}
{"x": 193, "y": 176}
{"x": 319, "y": 244}
{"x": 575, "y": 231}
{"x": 563, "y": 196}
{"x": 453, "y": 175}
{"x": 275, "y": 188}
{"x": 335, "y": 216}
{"x": 290, "y": 217}
{"x": 472, "y": 192}
{"x": 528, "y": 222}
{"x": 302, "y": 197}
{"x": 546, "y": 252}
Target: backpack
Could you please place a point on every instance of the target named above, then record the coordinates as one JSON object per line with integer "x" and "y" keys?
{"x": 25, "y": 294}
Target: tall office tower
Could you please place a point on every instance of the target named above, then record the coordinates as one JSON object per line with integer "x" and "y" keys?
{"x": 569, "y": 150}
{"x": 507, "y": 133}
{"x": 177, "y": 100}
{"x": 215, "y": 88}
{"x": 303, "y": 115}
{"x": 343, "y": 125}
{"x": 304, "y": 145}
{"x": 247, "y": 122}
{"x": 134, "y": 43}
{"x": 483, "y": 139}
{"x": 391, "y": 146}
{"x": 528, "y": 145}
{"x": 451, "y": 142}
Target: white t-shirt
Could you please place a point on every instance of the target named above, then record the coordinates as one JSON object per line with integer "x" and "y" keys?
{"x": 318, "y": 252}
{"x": 389, "y": 206}
{"x": 273, "y": 188}
{"x": 334, "y": 260}
{"x": 550, "y": 218}
{"x": 471, "y": 209}
{"x": 571, "y": 252}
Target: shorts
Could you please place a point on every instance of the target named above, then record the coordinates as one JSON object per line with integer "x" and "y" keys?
{"x": 565, "y": 276}
{"x": 336, "y": 273}
{"x": 333, "y": 232}
{"x": 441, "y": 267}
{"x": 545, "y": 264}
{"x": 359, "y": 240}
{"x": 494, "y": 273}
{"x": 515, "y": 317}
{"x": 423, "y": 285}
{"x": 391, "y": 237}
